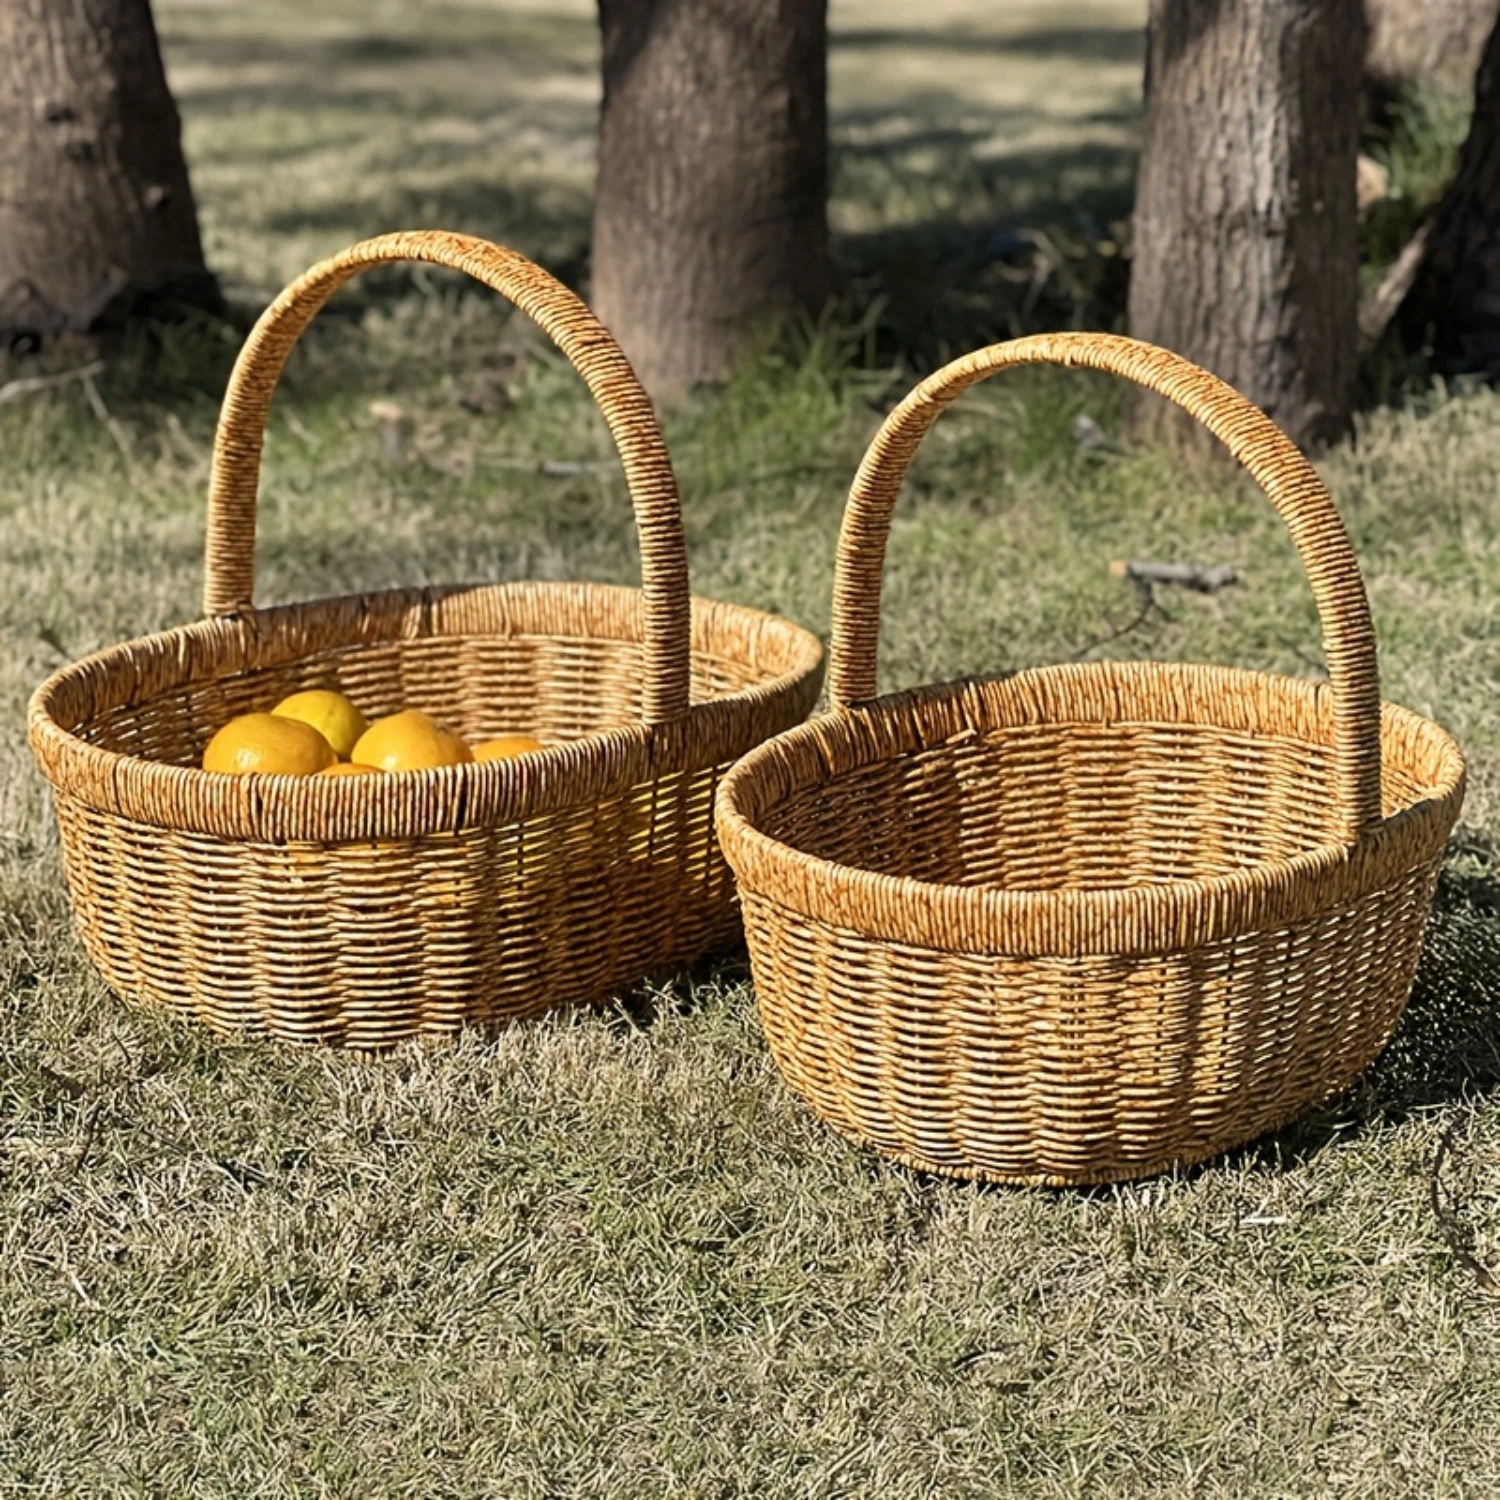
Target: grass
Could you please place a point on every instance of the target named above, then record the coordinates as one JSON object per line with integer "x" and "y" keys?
{"x": 611, "y": 1254}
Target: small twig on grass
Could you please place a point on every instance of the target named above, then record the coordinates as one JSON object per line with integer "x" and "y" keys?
{"x": 242, "y": 1174}
{"x": 553, "y": 468}
{"x": 563, "y": 468}
{"x": 1144, "y": 575}
{"x": 81, "y": 1152}
{"x": 13, "y": 389}
{"x": 1457, "y": 1235}
{"x": 1149, "y": 606}
{"x": 193, "y": 452}
{"x": 1185, "y": 575}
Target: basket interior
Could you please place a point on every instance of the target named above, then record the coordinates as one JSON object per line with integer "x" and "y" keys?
{"x": 1048, "y": 805}
{"x": 505, "y": 662}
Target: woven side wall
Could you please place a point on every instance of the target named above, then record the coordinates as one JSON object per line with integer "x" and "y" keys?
{"x": 364, "y": 944}
{"x": 453, "y": 913}
{"x": 1066, "y": 927}
{"x": 1086, "y": 1069}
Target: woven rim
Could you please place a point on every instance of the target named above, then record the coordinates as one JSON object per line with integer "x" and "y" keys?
{"x": 1128, "y": 920}
{"x": 281, "y": 809}
{"x": 1270, "y": 457}
{"x": 229, "y": 572}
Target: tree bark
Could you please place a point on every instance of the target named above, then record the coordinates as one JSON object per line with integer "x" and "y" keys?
{"x": 1246, "y": 233}
{"x": 1418, "y": 41}
{"x": 96, "y": 214}
{"x": 1454, "y": 304}
{"x": 711, "y": 211}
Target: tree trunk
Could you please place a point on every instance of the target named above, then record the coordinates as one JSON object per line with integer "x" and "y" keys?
{"x": 1455, "y": 302}
{"x": 1246, "y": 237}
{"x": 711, "y": 211}
{"x": 96, "y": 215}
{"x": 1421, "y": 41}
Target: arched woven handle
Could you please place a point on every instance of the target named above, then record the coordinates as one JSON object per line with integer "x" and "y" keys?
{"x": 1272, "y": 459}
{"x": 229, "y": 577}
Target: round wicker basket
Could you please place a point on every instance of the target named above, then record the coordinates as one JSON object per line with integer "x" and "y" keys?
{"x": 1088, "y": 922}
{"x": 359, "y": 911}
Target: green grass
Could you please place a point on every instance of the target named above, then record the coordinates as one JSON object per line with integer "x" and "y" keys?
{"x": 610, "y": 1254}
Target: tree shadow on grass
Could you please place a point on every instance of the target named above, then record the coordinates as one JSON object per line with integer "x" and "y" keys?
{"x": 550, "y": 227}
{"x": 179, "y": 358}
{"x": 1109, "y": 44}
{"x": 1038, "y": 244}
{"x": 988, "y": 215}
{"x": 300, "y": 68}
{"x": 678, "y": 993}
{"x": 974, "y": 246}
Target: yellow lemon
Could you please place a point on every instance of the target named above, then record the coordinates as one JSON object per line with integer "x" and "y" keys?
{"x": 330, "y": 713}
{"x": 507, "y": 746}
{"x": 269, "y": 746}
{"x": 409, "y": 741}
{"x": 348, "y": 768}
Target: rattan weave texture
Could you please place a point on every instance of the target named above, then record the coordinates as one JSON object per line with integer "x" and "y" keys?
{"x": 364, "y": 910}
{"x": 1088, "y": 922}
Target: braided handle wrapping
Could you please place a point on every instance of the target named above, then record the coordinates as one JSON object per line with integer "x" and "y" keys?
{"x": 229, "y": 575}
{"x": 1273, "y": 461}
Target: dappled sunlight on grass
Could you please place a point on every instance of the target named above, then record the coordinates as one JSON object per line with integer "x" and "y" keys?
{"x": 309, "y": 127}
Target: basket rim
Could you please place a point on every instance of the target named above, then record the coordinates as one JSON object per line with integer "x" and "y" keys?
{"x": 324, "y": 810}
{"x": 1121, "y": 920}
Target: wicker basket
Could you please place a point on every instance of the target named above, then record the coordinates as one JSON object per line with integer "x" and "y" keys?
{"x": 1088, "y": 922}
{"x": 360, "y": 911}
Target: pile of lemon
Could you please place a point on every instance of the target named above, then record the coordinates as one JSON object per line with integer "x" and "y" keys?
{"x": 321, "y": 733}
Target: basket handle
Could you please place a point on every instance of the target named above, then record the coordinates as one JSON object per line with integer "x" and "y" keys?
{"x": 229, "y": 574}
{"x": 1273, "y": 461}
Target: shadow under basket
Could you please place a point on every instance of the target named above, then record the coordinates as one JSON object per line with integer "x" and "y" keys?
{"x": 360, "y": 911}
{"x": 1088, "y": 922}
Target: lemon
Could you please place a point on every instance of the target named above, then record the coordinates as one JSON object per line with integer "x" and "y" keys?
{"x": 330, "y": 713}
{"x": 507, "y": 746}
{"x": 348, "y": 768}
{"x": 409, "y": 741}
{"x": 269, "y": 746}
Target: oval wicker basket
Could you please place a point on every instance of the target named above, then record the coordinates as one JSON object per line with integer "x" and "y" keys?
{"x": 359, "y": 911}
{"x": 1088, "y": 922}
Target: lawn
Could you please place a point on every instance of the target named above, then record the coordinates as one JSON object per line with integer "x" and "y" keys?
{"x": 610, "y": 1254}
